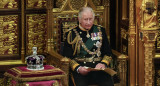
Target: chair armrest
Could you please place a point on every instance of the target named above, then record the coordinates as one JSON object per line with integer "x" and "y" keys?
{"x": 119, "y": 55}
{"x": 56, "y": 59}
{"x": 122, "y": 62}
{"x": 61, "y": 62}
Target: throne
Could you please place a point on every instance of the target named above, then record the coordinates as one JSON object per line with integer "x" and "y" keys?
{"x": 59, "y": 19}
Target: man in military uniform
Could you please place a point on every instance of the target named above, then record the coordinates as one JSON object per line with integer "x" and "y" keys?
{"x": 87, "y": 46}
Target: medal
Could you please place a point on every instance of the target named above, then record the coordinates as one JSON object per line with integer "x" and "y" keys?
{"x": 87, "y": 35}
{"x": 98, "y": 44}
{"x": 96, "y": 36}
{"x": 98, "y": 53}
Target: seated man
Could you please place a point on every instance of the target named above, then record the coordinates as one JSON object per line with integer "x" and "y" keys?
{"x": 87, "y": 46}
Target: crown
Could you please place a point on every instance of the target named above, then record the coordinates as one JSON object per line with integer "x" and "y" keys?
{"x": 35, "y": 62}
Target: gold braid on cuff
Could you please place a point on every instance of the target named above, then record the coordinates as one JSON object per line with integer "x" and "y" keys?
{"x": 107, "y": 59}
{"x": 73, "y": 64}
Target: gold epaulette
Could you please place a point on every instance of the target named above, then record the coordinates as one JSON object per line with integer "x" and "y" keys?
{"x": 107, "y": 59}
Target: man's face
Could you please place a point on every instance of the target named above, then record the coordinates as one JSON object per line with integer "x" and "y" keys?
{"x": 86, "y": 20}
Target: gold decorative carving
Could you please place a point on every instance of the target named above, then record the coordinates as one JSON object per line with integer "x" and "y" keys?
{"x": 59, "y": 3}
{"x": 9, "y": 35}
{"x": 149, "y": 20}
{"x": 150, "y": 35}
{"x": 36, "y": 3}
{"x": 149, "y": 38}
{"x": 106, "y": 2}
{"x": 159, "y": 17}
{"x": 36, "y": 32}
{"x": 97, "y": 2}
{"x": 122, "y": 69}
{"x": 131, "y": 14}
{"x": 131, "y": 40}
{"x": 124, "y": 48}
{"x": 8, "y": 4}
{"x": 67, "y": 25}
{"x": 158, "y": 41}
{"x": 76, "y": 4}
{"x": 158, "y": 38}
{"x": 67, "y": 20}
{"x": 123, "y": 34}
{"x": 149, "y": 48}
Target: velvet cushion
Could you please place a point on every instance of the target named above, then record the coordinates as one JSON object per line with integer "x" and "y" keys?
{"x": 23, "y": 74}
{"x": 39, "y": 83}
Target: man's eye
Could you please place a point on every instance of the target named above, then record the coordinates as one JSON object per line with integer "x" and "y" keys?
{"x": 90, "y": 19}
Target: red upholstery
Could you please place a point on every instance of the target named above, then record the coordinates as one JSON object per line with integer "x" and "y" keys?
{"x": 22, "y": 74}
{"x": 39, "y": 83}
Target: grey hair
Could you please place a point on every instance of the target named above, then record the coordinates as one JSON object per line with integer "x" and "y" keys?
{"x": 83, "y": 9}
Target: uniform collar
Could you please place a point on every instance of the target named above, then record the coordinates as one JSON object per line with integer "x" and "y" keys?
{"x": 82, "y": 28}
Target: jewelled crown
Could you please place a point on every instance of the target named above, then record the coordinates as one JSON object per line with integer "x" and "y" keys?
{"x": 35, "y": 62}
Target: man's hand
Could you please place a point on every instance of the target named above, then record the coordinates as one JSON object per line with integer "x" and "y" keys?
{"x": 83, "y": 71}
{"x": 100, "y": 66}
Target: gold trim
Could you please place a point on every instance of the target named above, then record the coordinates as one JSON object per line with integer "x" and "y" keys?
{"x": 23, "y": 32}
{"x": 74, "y": 66}
{"x": 157, "y": 55}
{"x": 131, "y": 44}
{"x": 11, "y": 62}
{"x": 105, "y": 61}
{"x": 36, "y": 72}
{"x": 35, "y": 78}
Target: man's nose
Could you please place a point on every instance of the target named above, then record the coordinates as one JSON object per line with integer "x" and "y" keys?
{"x": 88, "y": 21}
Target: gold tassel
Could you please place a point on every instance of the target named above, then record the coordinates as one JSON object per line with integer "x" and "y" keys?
{"x": 75, "y": 41}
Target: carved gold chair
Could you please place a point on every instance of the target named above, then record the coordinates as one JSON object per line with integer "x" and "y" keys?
{"x": 59, "y": 19}
{"x": 63, "y": 63}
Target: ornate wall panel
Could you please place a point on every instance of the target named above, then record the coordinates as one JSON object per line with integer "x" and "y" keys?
{"x": 9, "y": 43}
{"x": 36, "y": 32}
{"x": 59, "y": 3}
{"x": 5, "y": 4}
{"x": 158, "y": 42}
{"x": 36, "y": 4}
{"x": 158, "y": 38}
{"x": 76, "y": 4}
{"x": 97, "y": 2}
